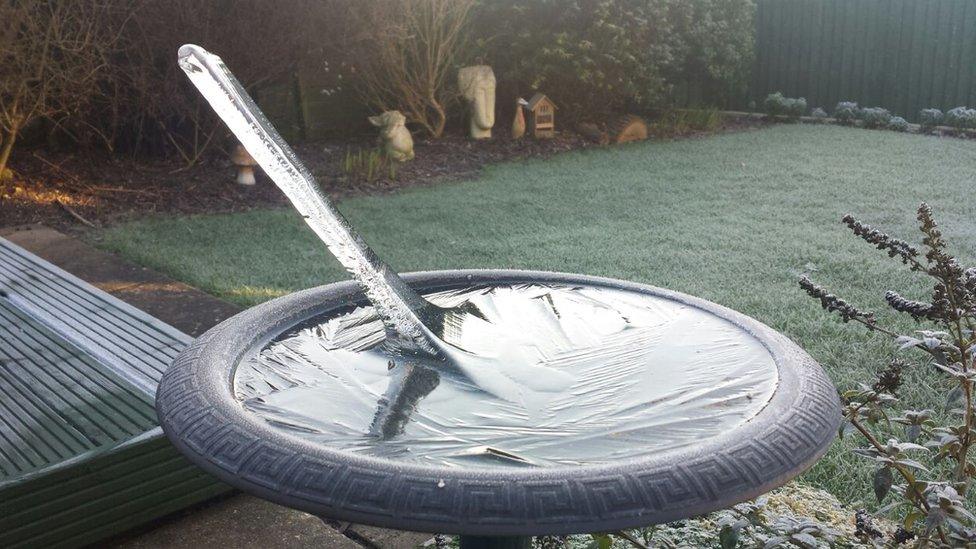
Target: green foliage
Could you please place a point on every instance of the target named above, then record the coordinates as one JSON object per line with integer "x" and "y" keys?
{"x": 846, "y": 112}
{"x": 875, "y": 117}
{"x": 602, "y": 541}
{"x": 595, "y": 57}
{"x": 798, "y": 107}
{"x": 728, "y": 536}
{"x": 778, "y": 105}
{"x": 702, "y": 119}
{"x": 929, "y": 118}
{"x": 715, "y": 42}
{"x": 898, "y": 124}
{"x": 819, "y": 115}
{"x": 961, "y": 118}
{"x": 931, "y": 479}
{"x": 775, "y": 104}
{"x": 368, "y": 166}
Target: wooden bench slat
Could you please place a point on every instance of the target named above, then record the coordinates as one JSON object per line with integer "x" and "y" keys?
{"x": 81, "y": 453}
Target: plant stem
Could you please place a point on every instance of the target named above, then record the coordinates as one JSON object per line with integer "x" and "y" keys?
{"x": 875, "y": 328}
{"x": 909, "y": 478}
{"x": 920, "y": 500}
{"x": 5, "y": 150}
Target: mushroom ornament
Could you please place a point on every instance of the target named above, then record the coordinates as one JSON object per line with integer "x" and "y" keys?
{"x": 245, "y": 165}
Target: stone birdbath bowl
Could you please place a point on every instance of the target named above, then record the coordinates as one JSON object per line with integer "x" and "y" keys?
{"x": 493, "y": 404}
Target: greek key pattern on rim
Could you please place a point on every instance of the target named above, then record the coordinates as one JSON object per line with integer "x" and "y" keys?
{"x": 389, "y": 496}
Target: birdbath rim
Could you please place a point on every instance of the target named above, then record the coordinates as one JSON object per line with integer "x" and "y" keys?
{"x": 199, "y": 413}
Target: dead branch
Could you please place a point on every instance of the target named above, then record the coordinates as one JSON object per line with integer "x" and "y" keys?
{"x": 75, "y": 214}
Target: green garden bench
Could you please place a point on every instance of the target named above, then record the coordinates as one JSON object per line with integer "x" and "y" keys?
{"x": 82, "y": 457}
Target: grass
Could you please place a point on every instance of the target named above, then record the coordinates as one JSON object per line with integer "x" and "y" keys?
{"x": 734, "y": 218}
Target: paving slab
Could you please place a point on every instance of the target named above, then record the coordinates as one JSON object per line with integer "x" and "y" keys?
{"x": 237, "y": 521}
{"x": 384, "y": 538}
{"x": 242, "y": 521}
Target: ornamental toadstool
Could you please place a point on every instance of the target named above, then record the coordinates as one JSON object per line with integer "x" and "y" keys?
{"x": 245, "y": 165}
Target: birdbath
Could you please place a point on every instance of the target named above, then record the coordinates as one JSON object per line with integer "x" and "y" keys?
{"x": 493, "y": 404}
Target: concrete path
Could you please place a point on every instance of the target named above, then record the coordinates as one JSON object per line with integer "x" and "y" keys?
{"x": 237, "y": 521}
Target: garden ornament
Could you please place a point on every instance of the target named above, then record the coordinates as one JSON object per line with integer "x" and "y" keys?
{"x": 245, "y": 165}
{"x": 477, "y": 84}
{"x": 628, "y": 128}
{"x": 518, "y": 123}
{"x": 542, "y": 116}
{"x": 394, "y": 137}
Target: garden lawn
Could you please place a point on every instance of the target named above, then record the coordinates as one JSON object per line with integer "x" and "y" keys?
{"x": 734, "y": 218}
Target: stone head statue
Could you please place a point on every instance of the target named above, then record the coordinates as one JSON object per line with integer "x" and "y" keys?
{"x": 477, "y": 86}
{"x": 394, "y": 136}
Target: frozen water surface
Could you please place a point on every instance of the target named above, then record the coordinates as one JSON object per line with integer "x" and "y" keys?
{"x": 598, "y": 374}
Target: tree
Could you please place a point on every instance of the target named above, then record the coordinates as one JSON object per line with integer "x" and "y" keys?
{"x": 153, "y": 107}
{"x": 410, "y": 54}
{"x": 51, "y": 54}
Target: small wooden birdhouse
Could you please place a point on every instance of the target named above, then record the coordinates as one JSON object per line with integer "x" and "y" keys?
{"x": 542, "y": 116}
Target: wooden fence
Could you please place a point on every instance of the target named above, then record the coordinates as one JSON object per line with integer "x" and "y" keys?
{"x": 903, "y": 55}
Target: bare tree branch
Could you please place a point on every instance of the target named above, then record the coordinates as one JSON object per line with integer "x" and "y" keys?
{"x": 412, "y": 49}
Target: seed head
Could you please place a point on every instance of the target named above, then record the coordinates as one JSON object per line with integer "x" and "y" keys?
{"x": 917, "y": 309}
{"x": 894, "y": 246}
{"x": 834, "y": 304}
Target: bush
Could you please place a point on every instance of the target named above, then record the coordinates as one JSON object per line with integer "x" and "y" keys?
{"x": 595, "y": 58}
{"x": 778, "y": 105}
{"x": 961, "y": 118}
{"x": 930, "y": 118}
{"x": 797, "y": 107}
{"x": 898, "y": 124}
{"x": 590, "y": 58}
{"x": 875, "y": 117}
{"x": 775, "y": 104}
{"x": 846, "y": 112}
{"x": 819, "y": 115}
{"x": 675, "y": 122}
{"x": 703, "y": 119}
{"x": 713, "y": 41}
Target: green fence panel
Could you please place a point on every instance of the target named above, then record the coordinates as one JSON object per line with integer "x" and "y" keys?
{"x": 904, "y": 55}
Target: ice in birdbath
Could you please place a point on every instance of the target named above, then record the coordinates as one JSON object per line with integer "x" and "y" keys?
{"x": 640, "y": 381}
